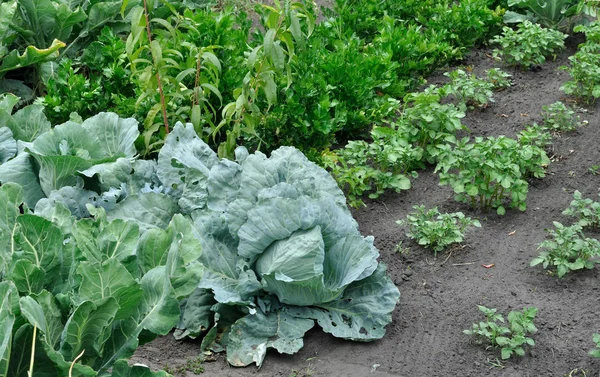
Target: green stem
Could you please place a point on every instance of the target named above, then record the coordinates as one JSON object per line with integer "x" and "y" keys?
{"x": 30, "y": 372}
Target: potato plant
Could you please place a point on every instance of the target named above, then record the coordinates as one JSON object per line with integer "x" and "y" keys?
{"x": 512, "y": 338}
{"x": 568, "y": 250}
{"x": 362, "y": 168}
{"x": 585, "y": 210}
{"x": 490, "y": 172}
{"x": 560, "y": 118}
{"x": 468, "y": 89}
{"x": 498, "y": 78}
{"x": 585, "y": 67}
{"x": 436, "y": 230}
{"x": 527, "y": 46}
{"x": 427, "y": 123}
{"x": 535, "y": 135}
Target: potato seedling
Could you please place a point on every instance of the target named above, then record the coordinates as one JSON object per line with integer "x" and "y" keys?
{"x": 558, "y": 117}
{"x": 468, "y": 89}
{"x": 568, "y": 250}
{"x": 498, "y": 78}
{"x": 430, "y": 228}
{"x": 586, "y": 211}
{"x": 512, "y": 338}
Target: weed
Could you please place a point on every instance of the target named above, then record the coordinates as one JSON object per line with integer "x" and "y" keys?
{"x": 594, "y": 169}
{"x": 303, "y": 372}
{"x": 577, "y": 372}
{"x": 194, "y": 365}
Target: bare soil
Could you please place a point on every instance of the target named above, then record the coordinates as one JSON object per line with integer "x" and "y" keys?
{"x": 440, "y": 296}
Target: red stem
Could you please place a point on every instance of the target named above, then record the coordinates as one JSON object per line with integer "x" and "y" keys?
{"x": 160, "y": 88}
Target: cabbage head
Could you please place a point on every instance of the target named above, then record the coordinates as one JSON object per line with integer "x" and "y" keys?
{"x": 281, "y": 251}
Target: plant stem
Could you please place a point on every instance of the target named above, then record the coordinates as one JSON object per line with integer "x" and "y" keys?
{"x": 160, "y": 88}
{"x": 30, "y": 372}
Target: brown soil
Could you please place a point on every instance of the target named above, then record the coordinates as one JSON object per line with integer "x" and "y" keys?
{"x": 440, "y": 297}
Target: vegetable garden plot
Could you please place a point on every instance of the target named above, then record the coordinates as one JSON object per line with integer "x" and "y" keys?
{"x": 439, "y": 300}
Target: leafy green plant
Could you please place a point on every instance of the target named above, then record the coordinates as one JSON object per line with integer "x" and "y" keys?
{"x": 537, "y": 136}
{"x": 596, "y": 351}
{"x": 437, "y": 230}
{"x": 499, "y": 177}
{"x": 97, "y": 81}
{"x": 512, "y": 338}
{"x": 339, "y": 91}
{"x": 568, "y": 250}
{"x": 427, "y": 48}
{"x": 585, "y": 210}
{"x": 426, "y": 123}
{"x": 555, "y": 14}
{"x": 362, "y": 168}
{"x": 469, "y": 89}
{"x": 529, "y": 45}
{"x": 91, "y": 289}
{"x": 558, "y": 117}
{"x": 41, "y": 28}
{"x": 585, "y": 67}
{"x": 498, "y": 78}
{"x": 594, "y": 169}
{"x": 286, "y": 26}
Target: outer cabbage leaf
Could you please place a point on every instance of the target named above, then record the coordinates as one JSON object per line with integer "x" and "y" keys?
{"x": 109, "y": 279}
{"x": 21, "y": 170}
{"x": 197, "y": 314}
{"x": 9, "y": 310}
{"x": 286, "y": 165}
{"x": 253, "y": 335}
{"x": 87, "y": 328}
{"x": 31, "y": 55}
{"x": 76, "y": 200}
{"x": 222, "y": 273}
{"x": 116, "y": 136}
{"x": 363, "y": 311}
{"x": 40, "y": 242}
{"x": 30, "y": 123}
{"x": 8, "y": 145}
{"x": 148, "y": 209}
{"x": 183, "y": 150}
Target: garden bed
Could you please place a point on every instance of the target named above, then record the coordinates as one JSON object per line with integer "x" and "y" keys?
{"x": 440, "y": 296}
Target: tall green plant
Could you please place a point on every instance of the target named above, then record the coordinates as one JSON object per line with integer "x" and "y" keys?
{"x": 176, "y": 78}
{"x": 265, "y": 63}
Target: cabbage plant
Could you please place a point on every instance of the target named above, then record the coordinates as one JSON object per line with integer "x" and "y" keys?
{"x": 280, "y": 251}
